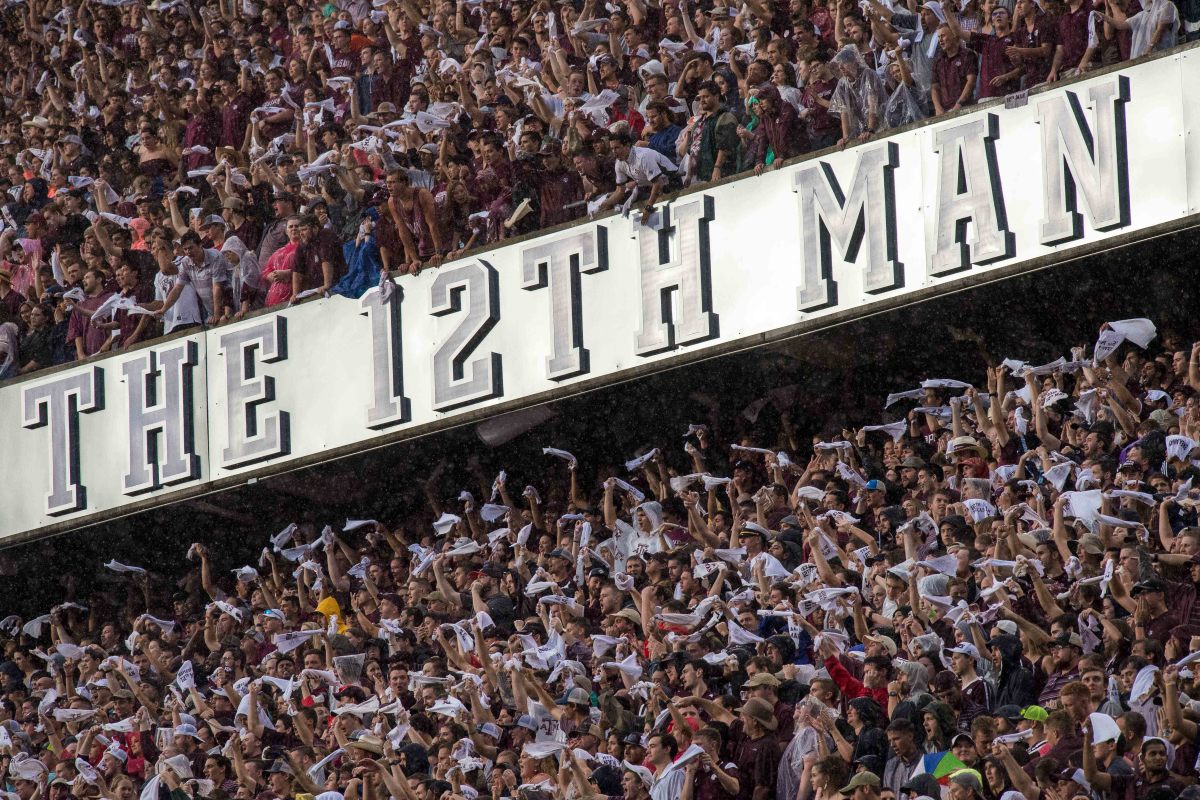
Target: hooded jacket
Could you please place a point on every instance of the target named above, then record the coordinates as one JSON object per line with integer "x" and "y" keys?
{"x": 1015, "y": 685}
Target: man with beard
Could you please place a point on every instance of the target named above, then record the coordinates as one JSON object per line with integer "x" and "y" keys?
{"x": 84, "y": 332}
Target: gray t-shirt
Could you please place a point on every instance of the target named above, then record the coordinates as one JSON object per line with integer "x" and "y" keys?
{"x": 203, "y": 277}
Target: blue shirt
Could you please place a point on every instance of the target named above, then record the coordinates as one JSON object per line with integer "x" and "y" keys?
{"x": 664, "y": 141}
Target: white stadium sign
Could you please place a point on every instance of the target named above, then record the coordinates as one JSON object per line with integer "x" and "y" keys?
{"x": 952, "y": 203}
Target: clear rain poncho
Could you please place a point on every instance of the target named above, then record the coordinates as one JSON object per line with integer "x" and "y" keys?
{"x": 860, "y": 94}
{"x": 1144, "y": 23}
{"x": 246, "y": 273}
{"x": 903, "y": 106}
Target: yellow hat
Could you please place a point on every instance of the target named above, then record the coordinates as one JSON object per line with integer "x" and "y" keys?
{"x": 330, "y": 608}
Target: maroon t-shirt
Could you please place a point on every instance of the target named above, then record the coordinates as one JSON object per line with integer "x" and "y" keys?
{"x": 993, "y": 61}
{"x": 394, "y": 89}
{"x": 202, "y": 129}
{"x": 558, "y": 189}
{"x": 235, "y": 116}
{"x": 1073, "y": 36}
{"x": 344, "y": 62}
{"x": 1045, "y": 31}
{"x": 81, "y": 325}
{"x": 12, "y": 302}
{"x": 129, "y": 322}
{"x": 281, "y": 41}
{"x": 950, "y": 73}
{"x": 325, "y": 246}
{"x": 819, "y": 122}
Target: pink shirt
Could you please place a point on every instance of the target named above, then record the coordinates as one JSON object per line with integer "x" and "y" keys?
{"x": 282, "y": 259}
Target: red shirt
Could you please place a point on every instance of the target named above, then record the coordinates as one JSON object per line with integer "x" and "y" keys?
{"x": 852, "y": 687}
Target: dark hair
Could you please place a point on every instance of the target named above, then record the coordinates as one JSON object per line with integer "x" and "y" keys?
{"x": 710, "y": 87}
{"x": 881, "y": 663}
{"x": 669, "y": 742}
{"x": 835, "y": 768}
{"x": 190, "y": 237}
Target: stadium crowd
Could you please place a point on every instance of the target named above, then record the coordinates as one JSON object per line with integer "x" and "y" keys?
{"x": 179, "y": 164}
{"x": 992, "y": 597}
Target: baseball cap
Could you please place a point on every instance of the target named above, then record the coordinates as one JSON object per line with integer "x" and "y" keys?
{"x": 527, "y": 722}
{"x": 861, "y": 779}
{"x": 214, "y": 219}
{"x": 578, "y": 697}
{"x": 1034, "y": 714}
{"x": 558, "y": 552}
{"x": 875, "y": 486}
{"x": 1068, "y": 639}
{"x": 1148, "y": 585}
{"x": 966, "y": 649}
{"x": 961, "y": 736}
{"x": 968, "y": 779}
{"x": 1009, "y": 712}
{"x": 888, "y": 642}
{"x": 1007, "y": 626}
{"x": 186, "y": 730}
{"x": 489, "y": 729}
{"x": 762, "y": 679}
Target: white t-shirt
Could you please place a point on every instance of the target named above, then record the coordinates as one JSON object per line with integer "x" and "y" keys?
{"x": 643, "y": 166}
{"x": 627, "y": 541}
{"x": 186, "y": 310}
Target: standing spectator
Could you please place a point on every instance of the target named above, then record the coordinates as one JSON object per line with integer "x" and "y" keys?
{"x": 1073, "y": 51}
{"x": 660, "y": 133}
{"x": 998, "y": 75}
{"x": 205, "y": 269}
{"x": 85, "y": 333}
{"x": 319, "y": 263}
{"x": 757, "y": 751}
{"x": 10, "y": 298}
{"x": 275, "y": 234}
{"x": 710, "y": 140}
{"x": 175, "y": 299}
{"x": 859, "y": 96}
{"x": 277, "y": 272}
{"x": 641, "y": 174}
{"x": 1035, "y": 34}
{"x": 955, "y": 71}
